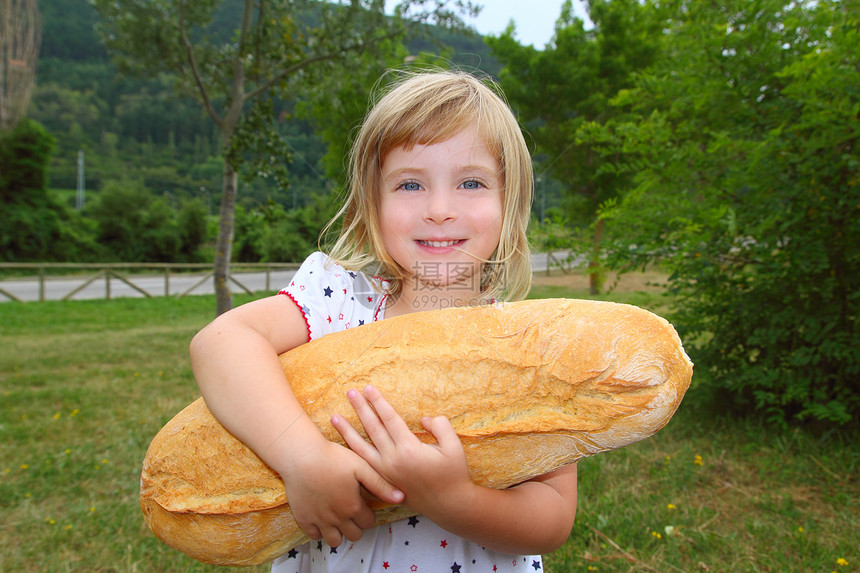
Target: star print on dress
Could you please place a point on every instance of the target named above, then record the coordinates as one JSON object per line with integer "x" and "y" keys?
{"x": 321, "y": 289}
{"x": 413, "y": 521}
{"x": 455, "y": 568}
{"x": 536, "y": 565}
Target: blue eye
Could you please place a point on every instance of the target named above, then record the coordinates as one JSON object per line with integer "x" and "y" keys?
{"x": 472, "y": 184}
{"x": 410, "y": 186}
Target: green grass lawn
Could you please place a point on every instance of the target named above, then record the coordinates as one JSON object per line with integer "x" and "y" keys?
{"x": 85, "y": 385}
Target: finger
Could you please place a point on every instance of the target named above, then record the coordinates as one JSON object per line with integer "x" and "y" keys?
{"x": 332, "y": 536}
{"x": 311, "y": 531}
{"x": 364, "y": 519}
{"x": 353, "y": 530}
{"x": 369, "y": 418}
{"x": 442, "y": 431}
{"x": 394, "y": 423}
{"x": 379, "y": 486}
{"x": 354, "y": 440}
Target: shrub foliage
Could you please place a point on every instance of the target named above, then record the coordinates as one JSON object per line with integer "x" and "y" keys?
{"x": 748, "y": 189}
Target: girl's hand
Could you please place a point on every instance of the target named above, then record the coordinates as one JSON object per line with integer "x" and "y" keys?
{"x": 533, "y": 517}
{"x": 324, "y": 492}
{"x": 429, "y": 474}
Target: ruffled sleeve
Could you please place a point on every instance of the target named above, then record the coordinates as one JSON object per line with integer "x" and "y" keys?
{"x": 332, "y": 298}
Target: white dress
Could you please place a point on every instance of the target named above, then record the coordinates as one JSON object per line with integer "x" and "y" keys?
{"x": 333, "y": 299}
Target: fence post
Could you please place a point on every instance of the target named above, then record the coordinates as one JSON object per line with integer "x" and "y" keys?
{"x": 41, "y": 284}
{"x": 107, "y": 284}
{"x": 166, "y": 281}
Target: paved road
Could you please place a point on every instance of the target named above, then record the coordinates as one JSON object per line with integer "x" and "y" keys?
{"x": 155, "y": 284}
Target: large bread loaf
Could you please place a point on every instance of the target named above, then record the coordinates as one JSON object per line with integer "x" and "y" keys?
{"x": 529, "y": 387}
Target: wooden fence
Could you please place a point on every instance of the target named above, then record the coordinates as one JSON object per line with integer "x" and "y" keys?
{"x": 76, "y": 277}
{"x": 85, "y": 274}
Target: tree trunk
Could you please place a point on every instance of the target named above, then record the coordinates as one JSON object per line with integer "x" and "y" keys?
{"x": 224, "y": 243}
{"x": 595, "y": 274}
{"x": 20, "y": 38}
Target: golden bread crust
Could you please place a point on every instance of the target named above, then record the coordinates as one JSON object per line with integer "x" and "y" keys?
{"x": 529, "y": 387}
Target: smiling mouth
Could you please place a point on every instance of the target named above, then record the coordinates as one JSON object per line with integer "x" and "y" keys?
{"x": 439, "y": 243}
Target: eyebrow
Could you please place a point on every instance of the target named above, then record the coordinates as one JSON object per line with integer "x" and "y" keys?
{"x": 397, "y": 173}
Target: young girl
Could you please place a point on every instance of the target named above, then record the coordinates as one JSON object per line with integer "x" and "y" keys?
{"x": 441, "y": 187}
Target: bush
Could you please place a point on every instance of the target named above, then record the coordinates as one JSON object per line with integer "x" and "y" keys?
{"x": 32, "y": 226}
{"x": 272, "y": 234}
{"x": 135, "y": 226}
{"x": 749, "y": 191}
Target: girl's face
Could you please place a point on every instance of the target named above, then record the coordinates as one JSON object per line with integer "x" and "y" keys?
{"x": 441, "y": 211}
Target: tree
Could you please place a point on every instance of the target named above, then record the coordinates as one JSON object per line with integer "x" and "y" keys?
{"x": 32, "y": 226}
{"x": 276, "y": 44}
{"x": 562, "y": 89}
{"x": 28, "y": 223}
{"x": 748, "y": 190}
{"x": 20, "y": 35}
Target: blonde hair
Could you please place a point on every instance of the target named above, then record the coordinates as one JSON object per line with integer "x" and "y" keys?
{"x": 424, "y": 108}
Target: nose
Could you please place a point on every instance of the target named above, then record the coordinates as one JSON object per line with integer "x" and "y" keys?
{"x": 441, "y": 206}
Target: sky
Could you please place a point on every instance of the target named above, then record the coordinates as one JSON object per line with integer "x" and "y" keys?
{"x": 534, "y": 19}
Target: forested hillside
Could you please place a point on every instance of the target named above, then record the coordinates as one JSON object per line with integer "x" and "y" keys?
{"x": 150, "y": 162}
{"x": 138, "y": 128}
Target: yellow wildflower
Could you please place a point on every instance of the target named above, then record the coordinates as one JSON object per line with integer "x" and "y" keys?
{"x": 24, "y": 466}
{"x": 56, "y": 415}
{"x": 50, "y": 521}
{"x": 842, "y": 562}
{"x": 670, "y": 506}
{"x": 698, "y": 460}
{"x": 657, "y": 534}
{"x": 75, "y": 412}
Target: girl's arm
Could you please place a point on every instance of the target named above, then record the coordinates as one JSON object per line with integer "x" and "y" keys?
{"x": 235, "y": 362}
{"x": 530, "y": 518}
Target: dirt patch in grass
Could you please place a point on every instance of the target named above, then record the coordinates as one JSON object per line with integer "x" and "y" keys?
{"x": 648, "y": 281}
